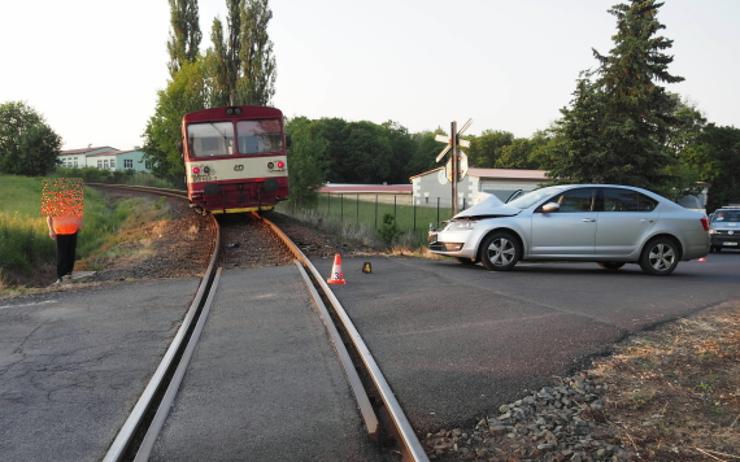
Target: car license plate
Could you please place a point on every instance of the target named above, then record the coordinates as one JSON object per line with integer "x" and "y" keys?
{"x": 730, "y": 244}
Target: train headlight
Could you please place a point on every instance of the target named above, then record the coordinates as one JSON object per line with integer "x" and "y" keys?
{"x": 196, "y": 170}
{"x": 206, "y": 170}
{"x": 280, "y": 164}
{"x": 270, "y": 165}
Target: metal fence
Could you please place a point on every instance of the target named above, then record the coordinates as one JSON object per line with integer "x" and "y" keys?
{"x": 368, "y": 210}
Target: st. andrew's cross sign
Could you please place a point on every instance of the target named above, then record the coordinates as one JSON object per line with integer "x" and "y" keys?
{"x": 455, "y": 167}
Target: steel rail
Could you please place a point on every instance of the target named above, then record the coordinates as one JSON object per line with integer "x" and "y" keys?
{"x": 411, "y": 447}
{"x": 121, "y": 447}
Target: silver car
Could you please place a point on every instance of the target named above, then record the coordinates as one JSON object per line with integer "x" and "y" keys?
{"x": 608, "y": 224}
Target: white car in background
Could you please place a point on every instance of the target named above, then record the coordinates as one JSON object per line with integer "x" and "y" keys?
{"x": 608, "y": 224}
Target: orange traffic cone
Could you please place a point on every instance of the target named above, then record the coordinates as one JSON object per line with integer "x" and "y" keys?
{"x": 337, "y": 276}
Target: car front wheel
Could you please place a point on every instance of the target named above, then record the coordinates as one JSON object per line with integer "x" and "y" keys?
{"x": 660, "y": 257}
{"x": 500, "y": 251}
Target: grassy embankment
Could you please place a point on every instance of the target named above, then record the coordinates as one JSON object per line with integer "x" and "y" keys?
{"x": 27, "y": 254}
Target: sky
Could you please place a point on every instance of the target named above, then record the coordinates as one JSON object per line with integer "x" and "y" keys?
{"x": 92, "y": 68}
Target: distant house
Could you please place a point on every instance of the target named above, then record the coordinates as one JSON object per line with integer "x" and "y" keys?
{"x": 105, "y": 158}
{"x": 77, "y": 158}
{"x": 502, "y": 182}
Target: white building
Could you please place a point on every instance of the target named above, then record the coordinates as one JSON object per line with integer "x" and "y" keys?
{"x": 105, "y": 158}
{"x": 77, "y": 158}
{"x": 432, "y": 185}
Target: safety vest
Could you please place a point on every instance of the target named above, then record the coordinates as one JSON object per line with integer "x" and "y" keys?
{"x": 66, "y": 225}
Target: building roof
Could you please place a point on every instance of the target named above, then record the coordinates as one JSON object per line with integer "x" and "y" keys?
{"x": 86, "y": 150}
{"x": 366, "y": 188}
{"x": 497, "y": 173}
{"x": 104, "y": 153}
{"x": 508, "y": 173}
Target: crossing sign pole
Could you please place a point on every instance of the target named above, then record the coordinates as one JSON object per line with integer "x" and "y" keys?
{"x": 453, "y": 147}
{"x": 455, "y": 166}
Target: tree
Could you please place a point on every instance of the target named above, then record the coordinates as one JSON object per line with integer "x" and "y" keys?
{"x": 28, "y": 146}
{"x": 426, "y": 149}
{"x": 233, "y": 46}
{"x": 307, "y": 160}
{"x": 218, "y": 68}
{"x": 715, "y": 155}
{"x": 618, "y": 125}
{"x": 185, "y": 34}
{"x": 486, "y": 148}
{"x": 256, "y": 80}
{"x": 188, "y": 91}
{"x": 524, "y": 152}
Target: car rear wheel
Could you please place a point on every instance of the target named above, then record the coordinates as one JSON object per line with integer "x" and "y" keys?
{"x": 611, "y": 265}
{"x": 660, "y": 256}
{"x": 500, "y": 251}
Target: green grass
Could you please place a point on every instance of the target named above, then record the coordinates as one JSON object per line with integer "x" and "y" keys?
{"x": 94, "y": 175}
{"x": 24, "y": 239}
{"x": 349, "y": 211}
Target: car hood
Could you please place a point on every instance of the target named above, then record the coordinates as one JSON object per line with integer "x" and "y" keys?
{"x": 489, "y": 207}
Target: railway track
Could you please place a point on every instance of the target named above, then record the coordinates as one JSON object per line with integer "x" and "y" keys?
{"x": 382, "y": 415}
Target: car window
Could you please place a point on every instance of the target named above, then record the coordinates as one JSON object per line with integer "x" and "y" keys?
{"x": 626, "y": 200}
{"x": 532, "y": 197}
{"x": 575, "y": 200}
{"x": 731, "y": 216}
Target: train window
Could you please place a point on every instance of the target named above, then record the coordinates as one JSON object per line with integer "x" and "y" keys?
{"x": 211, "y": 139}
{"x": 259, "y": 136}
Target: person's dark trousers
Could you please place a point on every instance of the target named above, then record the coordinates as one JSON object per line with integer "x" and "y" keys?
{"x": 66, "y": 244}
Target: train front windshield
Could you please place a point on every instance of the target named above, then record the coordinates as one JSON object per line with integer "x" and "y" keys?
{"x": 217, "y": 138}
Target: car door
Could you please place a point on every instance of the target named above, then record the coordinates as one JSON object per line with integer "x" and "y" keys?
{"x": 571, "y": 231}
{"x": 624, "y": 218}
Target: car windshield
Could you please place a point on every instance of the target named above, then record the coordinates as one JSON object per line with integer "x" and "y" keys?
{"x": 725, "y": 216}
{"x": 535, "y": 196}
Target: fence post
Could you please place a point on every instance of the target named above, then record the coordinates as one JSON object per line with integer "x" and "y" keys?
{"x": 376, "y": 210}
{"x": 395, "y": 208}
{"x": 357, "y": 210}
{"x": 341, "y": 208}
{"x": 464, "y": 203}
{"x": 437, "y": 212}
{"x": 413, "y": 206}
{"x": 328, "y": 204}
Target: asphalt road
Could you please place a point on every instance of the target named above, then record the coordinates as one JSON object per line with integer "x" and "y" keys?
{"x": 457, "y": 341}
{"x": 73, "y": 364}
{"x": 264, "y": 382}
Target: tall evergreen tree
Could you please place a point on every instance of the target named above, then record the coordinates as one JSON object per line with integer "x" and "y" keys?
{"x": 618, "y": 125}
{"x": 233, "y": 46}
{"x": 185, "y": 34}
{"x": 217, "y": 59}
{"x": 256, "y": 82}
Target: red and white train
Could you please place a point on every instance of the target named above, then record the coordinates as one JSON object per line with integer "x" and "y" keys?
{"x": 235, "y": 159}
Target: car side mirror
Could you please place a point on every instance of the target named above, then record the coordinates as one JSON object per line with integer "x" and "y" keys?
{"x": 550, "y": 207}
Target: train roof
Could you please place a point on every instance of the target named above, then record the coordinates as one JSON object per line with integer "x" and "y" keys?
{"x": 232, "y": 112}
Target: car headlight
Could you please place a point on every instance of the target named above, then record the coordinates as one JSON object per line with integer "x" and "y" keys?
{"x": 461, "y": 225}
{"x": 712, "y": 231}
